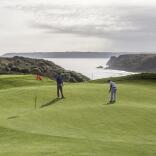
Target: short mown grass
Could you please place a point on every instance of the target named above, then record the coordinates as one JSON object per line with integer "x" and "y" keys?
{"x": 82, "y": 124}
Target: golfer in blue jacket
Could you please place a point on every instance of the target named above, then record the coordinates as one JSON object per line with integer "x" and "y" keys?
{"x": 59, "y": 80}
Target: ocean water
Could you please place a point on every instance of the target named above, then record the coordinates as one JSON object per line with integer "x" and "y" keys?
{"x": 88, "y": 67}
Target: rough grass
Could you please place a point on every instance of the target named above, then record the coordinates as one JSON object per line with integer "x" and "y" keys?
{"x": 80, "y": 125}
{"x": 133, "y": 77}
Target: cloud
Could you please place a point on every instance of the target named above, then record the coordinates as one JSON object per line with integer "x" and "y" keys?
{"x": 117, "y": 23}
{"x": 83, "y": 2}
{"x": 123, "y": 26}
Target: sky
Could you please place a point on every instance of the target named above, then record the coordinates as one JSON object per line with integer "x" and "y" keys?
{"x": 77, "y": 25}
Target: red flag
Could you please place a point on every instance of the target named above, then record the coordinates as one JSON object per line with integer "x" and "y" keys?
{"x": 38, "y": 77}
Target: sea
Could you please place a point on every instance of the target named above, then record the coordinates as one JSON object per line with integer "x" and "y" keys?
{"x": 88, "y": 67}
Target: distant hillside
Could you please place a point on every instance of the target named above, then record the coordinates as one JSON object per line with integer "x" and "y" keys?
{"x": 134, "y": 63}
{"x": 37, "y": 66}
{"x": 63, "y": 54}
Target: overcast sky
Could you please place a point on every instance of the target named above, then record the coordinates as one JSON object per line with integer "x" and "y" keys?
{"x": 77, "y": 25}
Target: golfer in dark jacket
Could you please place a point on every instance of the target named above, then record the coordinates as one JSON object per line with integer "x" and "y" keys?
{"x": 59, "y": 81}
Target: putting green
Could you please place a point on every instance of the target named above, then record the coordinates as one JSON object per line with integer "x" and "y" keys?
{"x": 82, "y": 124}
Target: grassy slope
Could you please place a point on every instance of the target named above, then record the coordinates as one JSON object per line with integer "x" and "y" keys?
{"x": 80, "y": 125}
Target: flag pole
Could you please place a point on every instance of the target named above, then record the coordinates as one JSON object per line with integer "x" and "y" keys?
{"x": 38, "y": 77}
{"x": 35, "y": 101}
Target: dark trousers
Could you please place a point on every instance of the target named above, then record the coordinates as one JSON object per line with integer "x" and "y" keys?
{"x": 59, "y": 90}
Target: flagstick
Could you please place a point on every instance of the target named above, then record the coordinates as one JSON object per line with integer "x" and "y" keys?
{"x": 35, "y": 101}
{"x": 36, "y": 93}
{"x": 38, "y": 77}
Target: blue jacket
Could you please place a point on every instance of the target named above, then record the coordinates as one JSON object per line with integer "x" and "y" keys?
{"x": 59, "y": 80}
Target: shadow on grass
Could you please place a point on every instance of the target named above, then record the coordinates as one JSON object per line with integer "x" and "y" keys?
{"x": 42, "y": 106}
{"x": 12, "y": 117}
{"x": 50, "y": 102}
{"x": 109, "y": 103}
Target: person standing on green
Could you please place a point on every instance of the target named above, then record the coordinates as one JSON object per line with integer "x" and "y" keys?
{"x": 112, "y": 90}
{"x": 59, "y": 80}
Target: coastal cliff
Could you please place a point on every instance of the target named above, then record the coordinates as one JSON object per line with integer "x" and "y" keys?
{"x": 133, "y": 63}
